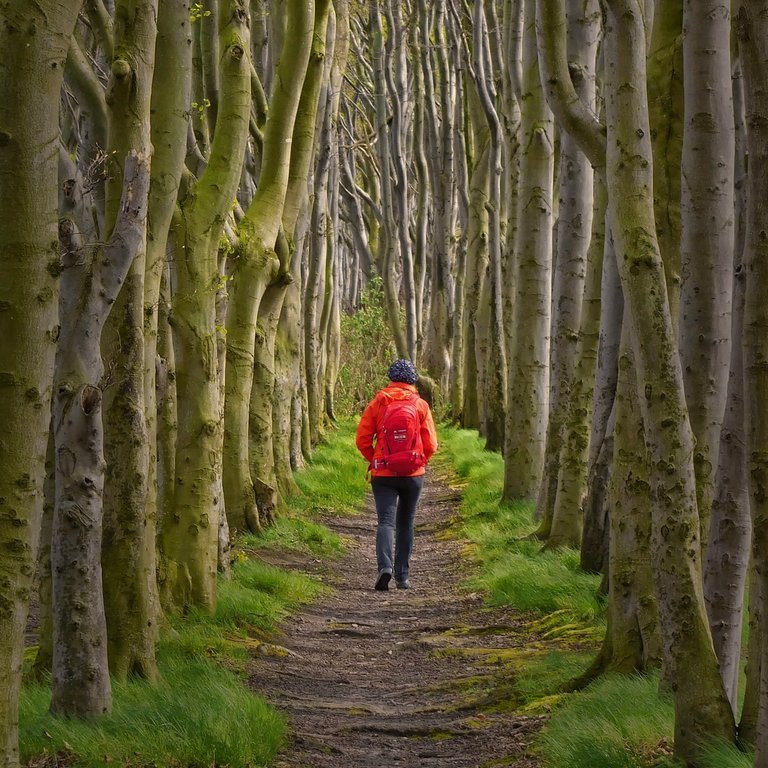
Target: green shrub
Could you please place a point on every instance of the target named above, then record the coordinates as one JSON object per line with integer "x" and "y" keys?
{"x": 367, "y": 349}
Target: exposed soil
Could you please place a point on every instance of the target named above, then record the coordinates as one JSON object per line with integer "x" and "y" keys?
{"x": 399, "y": 678}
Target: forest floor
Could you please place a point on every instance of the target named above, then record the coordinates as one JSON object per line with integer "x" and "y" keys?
{"x": 412, "y": 678}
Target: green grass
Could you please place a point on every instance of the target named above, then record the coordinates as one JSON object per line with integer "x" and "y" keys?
{"x": 513, "y": 569}
{"x": 618, "y": 722}
{"x": 199, "y": 715}
{"x": 727, "y": 756}
{"x": 202, "y": 713}
{"x": 335, "y": 481}
{"x": 293, "y": 531}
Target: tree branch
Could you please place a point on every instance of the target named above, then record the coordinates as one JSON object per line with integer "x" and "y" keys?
{"x": 570, "y": 111}
{"x": 101, "y": 25}
{"x": 128, "y": 236}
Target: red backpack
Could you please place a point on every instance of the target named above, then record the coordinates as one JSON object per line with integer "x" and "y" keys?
{"x": 400, "y": 434}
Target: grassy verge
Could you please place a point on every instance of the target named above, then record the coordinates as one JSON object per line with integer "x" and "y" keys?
{"x": 617, "y": 722}
{"x": 202, "y": 713}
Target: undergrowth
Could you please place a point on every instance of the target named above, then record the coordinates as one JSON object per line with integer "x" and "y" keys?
{"x": 201, "y": 713}
{"x": 618, "y": 721}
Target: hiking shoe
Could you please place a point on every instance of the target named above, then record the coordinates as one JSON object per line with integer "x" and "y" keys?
{"x": 403, "y": 584}
{"x": 382, "y": 581}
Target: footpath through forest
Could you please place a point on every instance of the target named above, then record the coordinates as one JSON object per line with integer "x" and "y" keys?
{"x": 412, "y": 678}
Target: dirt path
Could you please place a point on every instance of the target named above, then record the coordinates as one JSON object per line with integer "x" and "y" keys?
{"x": 397, "y": 678}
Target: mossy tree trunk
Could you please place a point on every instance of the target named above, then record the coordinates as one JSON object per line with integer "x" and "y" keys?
{"x": 728, "y": 544}
{"x": 568, "y": 509}
{"x": 190, "y": 534}
{"x": 665, "y": 105}
{"x": 730, "y": 530}
{"x": 131, "y": 601}
{"x": 476, "y": 316}
{"x": 171, "y": 97}
{"x": 594, "y": 544}
{"x": 257, "y": 266}
{"x": 702, "y": 709}
{"x": 34, "y": 40}
{"x": 331, "y": 35}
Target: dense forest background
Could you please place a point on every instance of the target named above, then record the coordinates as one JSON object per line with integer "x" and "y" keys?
{"x": 214, "y": 216}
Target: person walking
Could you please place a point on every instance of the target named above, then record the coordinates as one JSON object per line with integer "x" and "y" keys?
{"x": 397, "y": 437}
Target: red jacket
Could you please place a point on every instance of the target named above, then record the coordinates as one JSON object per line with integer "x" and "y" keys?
{"x": 367, "y": 438}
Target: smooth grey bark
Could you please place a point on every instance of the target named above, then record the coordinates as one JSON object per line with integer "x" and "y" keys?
{"x": 574, "y": 110}
{"x": 81, "y": 684}
{"x": 171, "y": 94}
{"x": 396, "y": 76}
{"x": 574, "y": 223}
{"x": 475, "y": 330}
{"x": 529, "y": 366}
{"x": 494, "y": 382}
{"x": 600, "y": 456}
{"x": 752, "y": 31}
{"x": 707, "y": 233}
{"x": 443, "y": 163}
{"x": 457, "y": 382}
{"x": 730, "y": 530}
{"x": 388, "y": 243}
{"x": 571, "y": 469}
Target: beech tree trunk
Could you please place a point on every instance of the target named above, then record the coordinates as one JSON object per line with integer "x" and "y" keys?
{"x": 573, "y": 240}
{"x": 529, "y": 366}
{"x": 730, "y": 530}
{"x": 752, "y": 30}
{"x": 131, "y": 600}
{"x": 190, "y": 534}
{"x": 707, "y": 234}
{"x": 702, "y": 709}
{"x": 571, "y": 469}
{"x": 34, "y": 40}
{"x": 81, "y": 684}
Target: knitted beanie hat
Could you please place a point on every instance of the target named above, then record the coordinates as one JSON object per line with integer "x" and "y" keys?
{"x": 404, "y": 371}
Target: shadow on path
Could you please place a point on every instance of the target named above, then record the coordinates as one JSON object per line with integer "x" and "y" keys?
{"x": 399, "y": 678}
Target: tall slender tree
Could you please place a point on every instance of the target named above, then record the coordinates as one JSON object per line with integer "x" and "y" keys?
{"x": 702, "y": 709}
{"x": 34, "y": 40}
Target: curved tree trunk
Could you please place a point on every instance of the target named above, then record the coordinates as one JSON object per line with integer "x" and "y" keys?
{"x": 730, "y": 530}
{"x": 573, "y": 241}
{"x": 190, "y": 534}
{"x": 702, "y": 709}
{"x": 81, "y": 684}
{"x": 599, "y": 461}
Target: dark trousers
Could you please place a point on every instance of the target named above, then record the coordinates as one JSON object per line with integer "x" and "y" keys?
{"x": 396, "y": 499}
